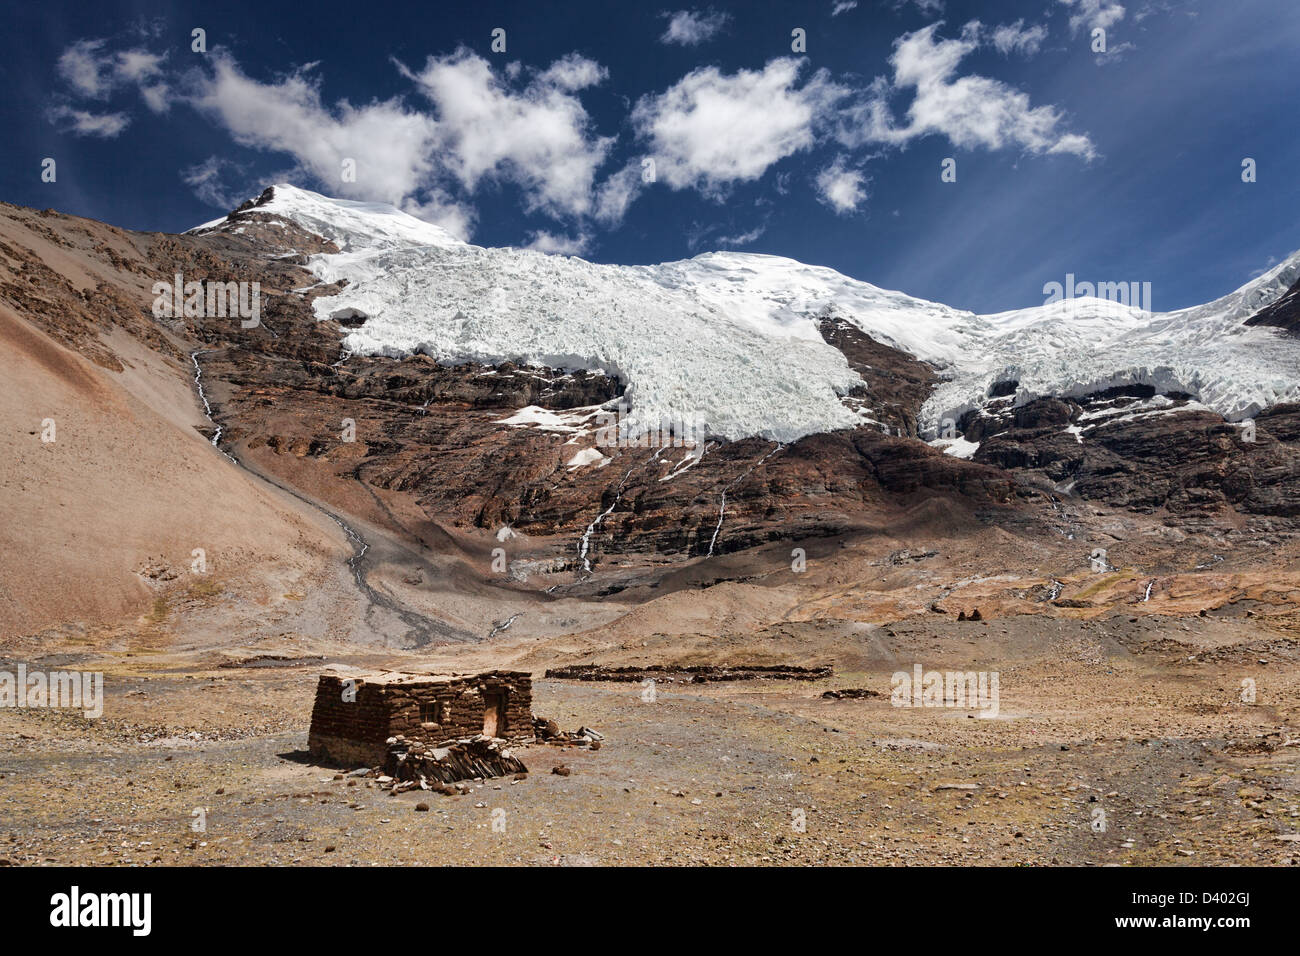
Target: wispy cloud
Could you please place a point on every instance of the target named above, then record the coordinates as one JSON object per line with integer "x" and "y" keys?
{"x": 94, "y": 72}
{"x": 208, "y": 180}
{"x": 714, "y": 235}
{"x": 1094, "y": 14}
{"x": 1100, "y": 15}
{"x": 970, "y": 111}
{"x": 691, "y": 28}
{"x": 931, "y": 8}
{"x": 544, "y": 241}
{"x": 1018, "y": 38}
{"x": 85, "y": 123}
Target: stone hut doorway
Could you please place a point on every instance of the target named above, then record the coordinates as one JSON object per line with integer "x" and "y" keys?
{"x": 494, "y": 713}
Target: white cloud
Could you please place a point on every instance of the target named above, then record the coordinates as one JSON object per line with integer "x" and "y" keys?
{"x": 971, "y": 111}
{"x": 1017, "y": 38}
{"x": 710, "y": 129}
{"x": 93, "y": 73}
{"x": 572, "y": 73}
{"x": 481, "y": 128}
{"x": 521, "y": 126}
{"x": 1272, "y": 261}
{"x": 85, "y": 70}
{"x": 83, "y": 123}
{"x": 393, "y": 147}
{"x": 527, "y": 127}
{"x": 139, "y": 66}
{"x": 538, "y": 137}
{"x": 1099, "y": 14}
{"x": 1094, "y": 13}
{"x": 691, "y": 28}
{"x": 843, "y": 6}
{"x": 840, "y": 187}
{"x": 156, "y": 97}
{"x": 1075, "y": 144}
{"x": 145, "y": 71}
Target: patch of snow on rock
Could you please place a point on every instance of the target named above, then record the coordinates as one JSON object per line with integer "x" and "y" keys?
{"x": 588, "y": 456}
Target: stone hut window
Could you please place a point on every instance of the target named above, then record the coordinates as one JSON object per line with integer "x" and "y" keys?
{"x": 433, "y": 712}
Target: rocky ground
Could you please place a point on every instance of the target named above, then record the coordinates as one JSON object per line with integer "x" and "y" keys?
{"x": 1115, "y": 743}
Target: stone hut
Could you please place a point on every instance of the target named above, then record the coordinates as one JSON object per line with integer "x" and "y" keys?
{"x": 355, "y": 715}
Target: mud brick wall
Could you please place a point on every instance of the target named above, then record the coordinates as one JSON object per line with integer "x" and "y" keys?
{"x": 349, "y": 732}
{"x": 456, "y": 708}
{"x": 434, "y": 711}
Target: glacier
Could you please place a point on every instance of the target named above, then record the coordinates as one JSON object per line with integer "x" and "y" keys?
{"x": 729, "y": 341}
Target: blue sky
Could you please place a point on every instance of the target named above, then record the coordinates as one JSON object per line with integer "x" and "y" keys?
{"x": 1116, "y": 166}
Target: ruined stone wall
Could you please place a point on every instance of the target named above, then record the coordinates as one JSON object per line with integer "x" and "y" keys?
{"x": 456, "y": 707}
{"x": 356, "y": 731}
{"x": 350, "y": 732}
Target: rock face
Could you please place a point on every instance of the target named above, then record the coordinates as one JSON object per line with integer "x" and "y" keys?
{"x": 1133, "y": 449}
{"x": 437, "y": 434}
{"x": 1282, "y": 314}
{"x": 897, "y": 384}
{"x": 441, "y": 436}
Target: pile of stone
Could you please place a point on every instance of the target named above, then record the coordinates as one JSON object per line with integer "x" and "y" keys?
{"x": 412, "y": 764}
{"x": 851, "y": 693}
{"x": 548, "y": 732}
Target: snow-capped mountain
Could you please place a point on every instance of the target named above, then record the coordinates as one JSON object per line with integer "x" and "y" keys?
{"x": 730, "y": 342}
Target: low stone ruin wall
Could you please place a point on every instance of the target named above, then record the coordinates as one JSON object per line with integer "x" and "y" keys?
{"x": 693, "y": 674}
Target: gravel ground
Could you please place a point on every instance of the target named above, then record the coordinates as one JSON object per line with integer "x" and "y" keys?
{"x": 1110, "y": 747}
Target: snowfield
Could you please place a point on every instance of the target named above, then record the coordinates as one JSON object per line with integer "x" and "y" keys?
{"x": 729, "y": 341}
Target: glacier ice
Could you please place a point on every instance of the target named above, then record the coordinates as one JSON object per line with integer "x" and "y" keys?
{"x": 731, "y": 339}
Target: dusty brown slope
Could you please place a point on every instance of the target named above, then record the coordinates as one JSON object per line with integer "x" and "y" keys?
{"x": 100, "y": 520}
